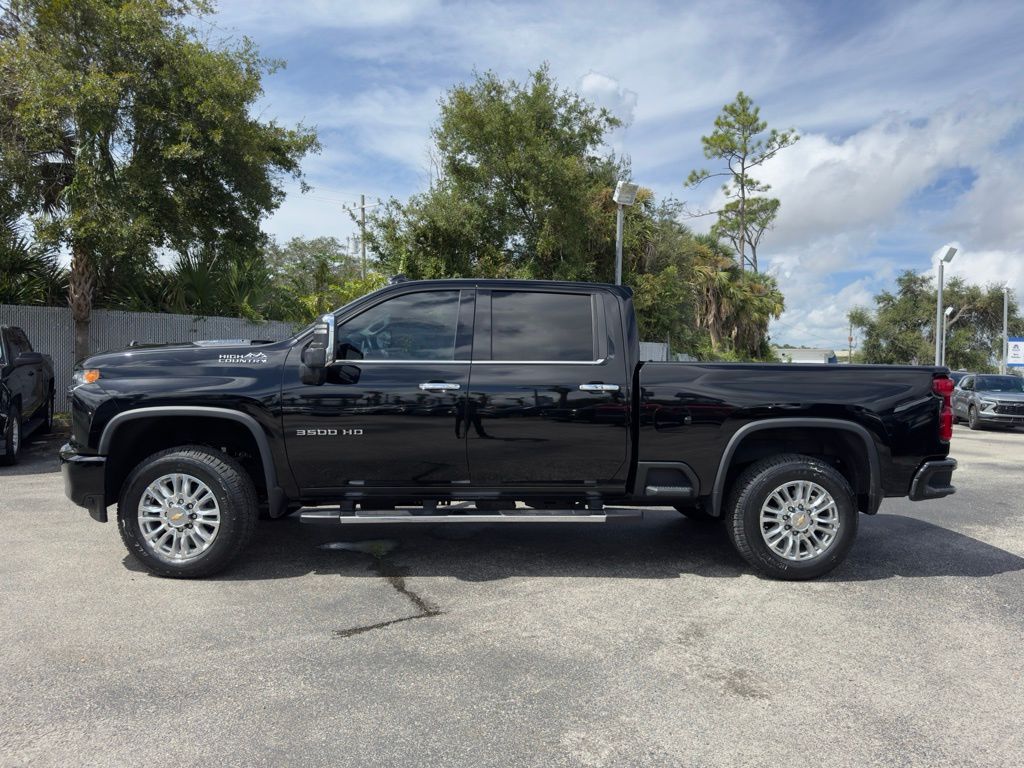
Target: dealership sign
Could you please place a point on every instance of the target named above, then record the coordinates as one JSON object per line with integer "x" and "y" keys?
{"x": 1015, "y": 351}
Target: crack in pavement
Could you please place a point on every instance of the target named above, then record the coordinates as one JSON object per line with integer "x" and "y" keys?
{"x": 396, "y": 578}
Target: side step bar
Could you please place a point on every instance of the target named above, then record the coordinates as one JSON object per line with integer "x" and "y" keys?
{"x": 371, "y": 517}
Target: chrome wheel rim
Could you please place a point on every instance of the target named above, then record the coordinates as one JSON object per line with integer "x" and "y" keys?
{"x": 15, "y": 435}
{"x": 799, "y": 520}
{"x": 179, "y": 517}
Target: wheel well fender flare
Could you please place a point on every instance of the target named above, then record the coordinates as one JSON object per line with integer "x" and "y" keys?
{"x": 875, "y": 484}
{"x": 262, "y": 444}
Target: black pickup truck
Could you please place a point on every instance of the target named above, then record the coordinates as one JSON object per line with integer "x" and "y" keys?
{"x": 26, "y": 392}
{"x": 489, "y": 400}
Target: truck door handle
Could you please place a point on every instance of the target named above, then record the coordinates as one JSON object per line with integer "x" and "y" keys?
{"x": 599, "y": 387}
{"x": 438, "y": 386}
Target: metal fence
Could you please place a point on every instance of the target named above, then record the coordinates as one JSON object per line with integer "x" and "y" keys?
{"x": 52, "y": 331}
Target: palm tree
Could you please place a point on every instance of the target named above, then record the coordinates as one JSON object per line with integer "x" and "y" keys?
{"x": 733, "y": 305}
{"x": 30, "y": 273}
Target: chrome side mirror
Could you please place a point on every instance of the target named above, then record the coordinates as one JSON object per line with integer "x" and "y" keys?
{"x": 320, "y": 352}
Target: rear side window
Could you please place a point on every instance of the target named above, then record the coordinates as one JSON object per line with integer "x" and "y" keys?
{"x": 542, "y": 326}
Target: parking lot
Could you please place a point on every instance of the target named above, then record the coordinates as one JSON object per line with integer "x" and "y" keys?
{"x": 621, "y": 645}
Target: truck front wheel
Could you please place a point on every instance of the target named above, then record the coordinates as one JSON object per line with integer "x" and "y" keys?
{"x": 187, "y": 512}
{"x": 11, "y": 437}
{"x": 792, "y": 517}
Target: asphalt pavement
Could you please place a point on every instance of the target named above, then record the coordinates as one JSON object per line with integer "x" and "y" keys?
{"x": 629, "y": 644}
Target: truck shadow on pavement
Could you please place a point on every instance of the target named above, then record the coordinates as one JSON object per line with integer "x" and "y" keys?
{"x": 38, "y": 455}
{"x": 663, "y": 546}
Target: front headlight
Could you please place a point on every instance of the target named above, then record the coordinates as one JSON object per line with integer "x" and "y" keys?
{"x": 84, "y": 376}
{"x": 987, "y": 405}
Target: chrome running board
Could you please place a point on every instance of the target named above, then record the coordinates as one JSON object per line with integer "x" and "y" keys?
{"x": 375, "y": 517}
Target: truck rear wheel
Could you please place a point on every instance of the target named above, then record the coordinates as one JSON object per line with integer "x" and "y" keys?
{"x": 187, "y": 512}
{"x": 792, "y": 517}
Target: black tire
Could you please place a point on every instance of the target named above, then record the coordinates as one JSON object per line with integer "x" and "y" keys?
{"x": 12, "y": 437}
{"x": 235, "y": 495}
{"x": 753, "y": 488}
{"x": 47, "y": 426}
{"x": 972, "y": 419}
{"x": 698, "y": 515}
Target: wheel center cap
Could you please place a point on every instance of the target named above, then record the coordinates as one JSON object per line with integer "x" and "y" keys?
{"x": 801, "y": 521}
{"x": 177, "y": 516}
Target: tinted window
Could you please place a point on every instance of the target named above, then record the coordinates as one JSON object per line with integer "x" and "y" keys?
{"x": 416, "y": 326}
{"x": 541, "y": 326}
{"x": 999, "y": 384}
{"x": 19, "y": 343}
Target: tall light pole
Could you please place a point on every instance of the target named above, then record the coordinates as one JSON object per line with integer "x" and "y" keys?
{"x": 945, "y": 332}
{"x": 625, "y": 194}
{"x": 1006, "y": 335}
{"x": 943, "y": 260}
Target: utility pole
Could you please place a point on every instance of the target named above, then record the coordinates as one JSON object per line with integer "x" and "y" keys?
{"x": 362, "y": 228}
{"x": 849, "y": 349}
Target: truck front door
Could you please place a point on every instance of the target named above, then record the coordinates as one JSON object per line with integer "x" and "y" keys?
{"x": 549, "y": 392}
{"x": 386, "y": 415}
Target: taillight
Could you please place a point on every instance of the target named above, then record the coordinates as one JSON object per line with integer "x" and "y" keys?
{"x": 943, "y": 387}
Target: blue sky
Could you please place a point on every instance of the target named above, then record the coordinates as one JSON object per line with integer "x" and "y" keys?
{"x": 912, "y": 116}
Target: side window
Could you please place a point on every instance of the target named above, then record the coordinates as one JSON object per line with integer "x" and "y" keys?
{"x": 556, "y": 327}
{"x": 19, "y": 343}
{"x": 969, "y": 384}
{"x": 414, "y": 326}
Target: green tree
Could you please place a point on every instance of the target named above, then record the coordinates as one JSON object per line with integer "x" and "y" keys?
{"x": 525, "y": 190}
{"x": 515, "y": 196}
{"x": 900, "y": 329}
{"x": 122, "y": 131}
{"x": 738, "y": 139}
{"x": 306, "y": 275}
{"x": 733, "y": 306}
{"x": 30, "y": 273}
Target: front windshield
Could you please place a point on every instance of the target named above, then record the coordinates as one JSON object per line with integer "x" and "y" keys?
{"x": 1000, "y": 384}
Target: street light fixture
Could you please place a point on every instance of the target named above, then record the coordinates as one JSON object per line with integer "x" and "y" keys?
{"x": 939, "y": 334}
{"x": 625, "y": 194}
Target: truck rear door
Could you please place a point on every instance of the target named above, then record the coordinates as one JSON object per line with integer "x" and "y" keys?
{"x": 548, "y": 403}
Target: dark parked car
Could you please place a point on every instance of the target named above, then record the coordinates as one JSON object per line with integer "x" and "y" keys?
{"x": 985, "y": 399}
{"x": 526, "y": 398}
{"x": 26, "y": 392}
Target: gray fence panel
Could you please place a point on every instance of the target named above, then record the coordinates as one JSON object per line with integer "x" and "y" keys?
{"x": 52, "y": 331}
{"x": 653, "y": 351}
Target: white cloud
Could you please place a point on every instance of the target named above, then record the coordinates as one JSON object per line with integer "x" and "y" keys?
{"x": 831, "y": 186}
{"x": 987, "y": 267}
{"x": 607, "y": 92}
{"x": 890, "y": 99}
{"x": 276, "y": 18}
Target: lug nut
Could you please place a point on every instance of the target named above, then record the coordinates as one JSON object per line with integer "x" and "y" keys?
{"x": 788, "y": 527}
{"x": 193, "y": 516}
{"x": 785, "y": 517}
{"x": 188, "y": 525}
